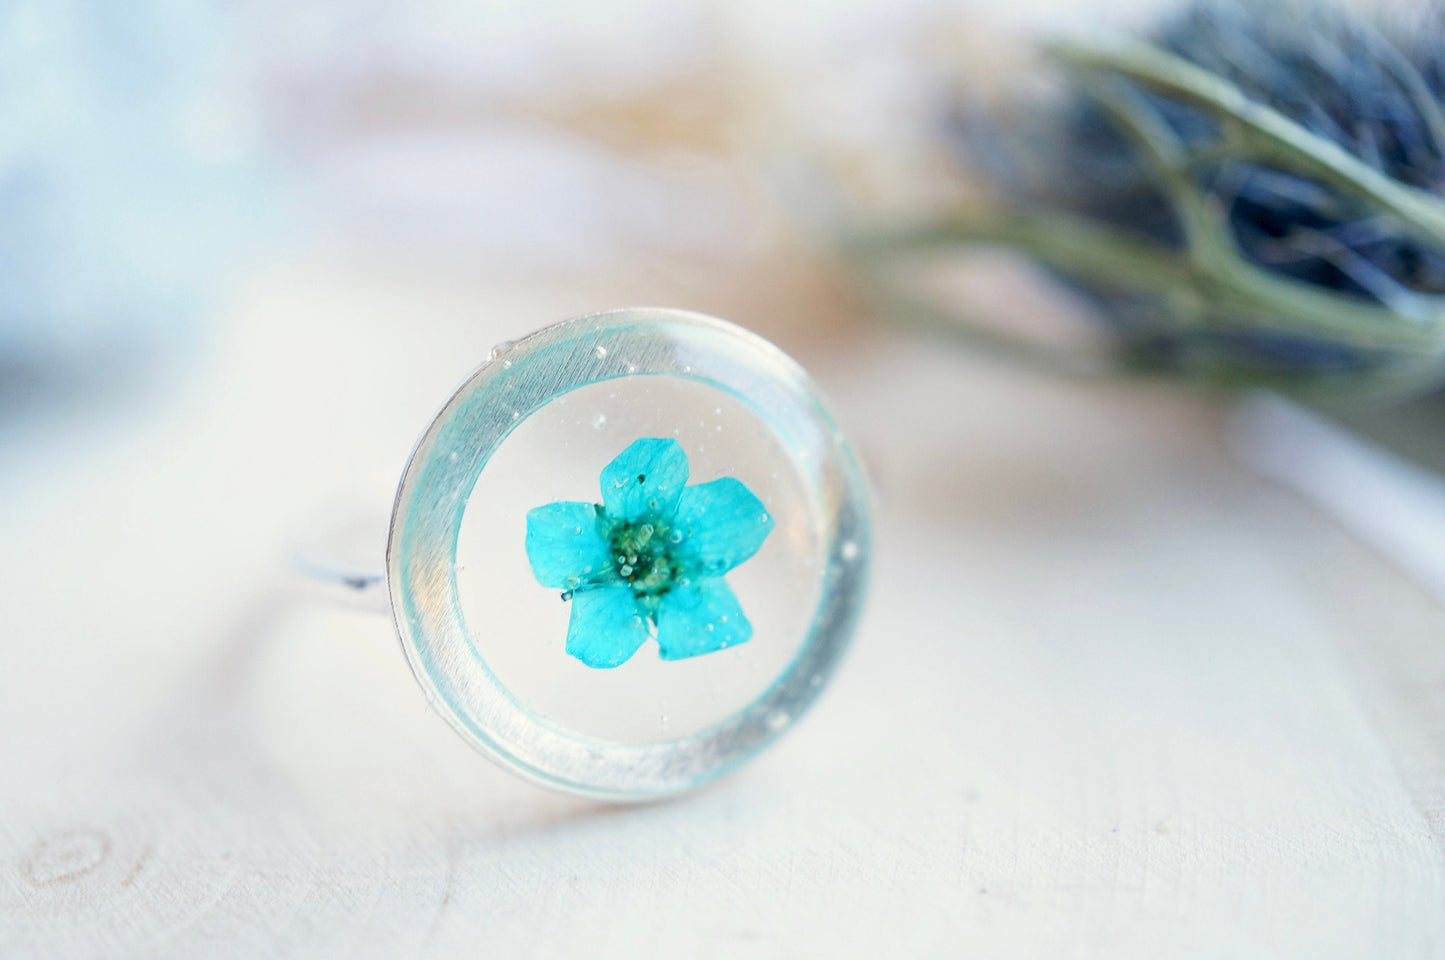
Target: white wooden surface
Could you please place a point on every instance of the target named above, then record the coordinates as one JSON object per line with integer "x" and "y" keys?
{"x": 1114, "y": 697}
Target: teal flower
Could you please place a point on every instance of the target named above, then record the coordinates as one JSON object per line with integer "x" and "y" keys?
{"x": 649, "y": 559}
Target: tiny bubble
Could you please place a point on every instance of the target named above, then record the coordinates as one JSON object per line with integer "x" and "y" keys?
{"x": 762, "y": 518}
{"x": 636, "y": 620}
{"x": 515, "y": 414}
{"x": 599, "y": 421}
{"x": 816, "y": 680}
{"x": 626, "y": 570}
{"x": 849, "y": 550}
{"x": 452, "y": 456}
{"x": 499, "y": 349}
{"x": 506, "y": 364}
{"x": 632, "y": 368}
{"x": 599, "y": 352}
{"x": 778, "y": 719}
{"x": 710, "y": 628}
{"x": 662, "y": 721}
{"x": 675, "y": 536}
{"x": 717, "y": 410}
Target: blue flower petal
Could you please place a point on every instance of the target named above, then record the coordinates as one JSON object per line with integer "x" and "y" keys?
{"x": 606, "y": 626}
{"x": 645, "y": 479}
{"x": 564, "y": 546}
{"x": 721, "y": 525}
{"x": 699, "y": 619}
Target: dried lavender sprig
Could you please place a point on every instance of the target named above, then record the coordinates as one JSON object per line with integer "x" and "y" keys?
{"x": 1239, "y": 230}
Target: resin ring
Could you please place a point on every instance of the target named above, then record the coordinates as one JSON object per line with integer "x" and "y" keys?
{"x": 629, "y": 552}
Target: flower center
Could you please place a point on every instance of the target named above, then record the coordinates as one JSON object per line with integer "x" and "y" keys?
{"x": 641, "y": 556}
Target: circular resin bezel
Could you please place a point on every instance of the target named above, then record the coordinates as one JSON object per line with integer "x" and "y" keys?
{"x": 516, "y": 381}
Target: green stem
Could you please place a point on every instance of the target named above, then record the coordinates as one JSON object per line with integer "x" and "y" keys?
{"x": 1071, "y": 244}
{"x": 1212, "y": 286}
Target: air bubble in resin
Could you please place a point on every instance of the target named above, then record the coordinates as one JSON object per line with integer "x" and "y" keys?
{"x": 519, "y": 627}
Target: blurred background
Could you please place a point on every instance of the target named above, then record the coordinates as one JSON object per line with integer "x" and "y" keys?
{"x": 1120, "y": 690}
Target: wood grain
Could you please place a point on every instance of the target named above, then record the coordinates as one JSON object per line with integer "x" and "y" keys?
{"x": 1113, "y": 696}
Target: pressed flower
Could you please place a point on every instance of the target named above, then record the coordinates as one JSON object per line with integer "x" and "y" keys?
{"x": 649, "y": 560}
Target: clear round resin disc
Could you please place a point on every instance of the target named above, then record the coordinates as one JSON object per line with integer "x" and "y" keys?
{"x": 629, "y": 552}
